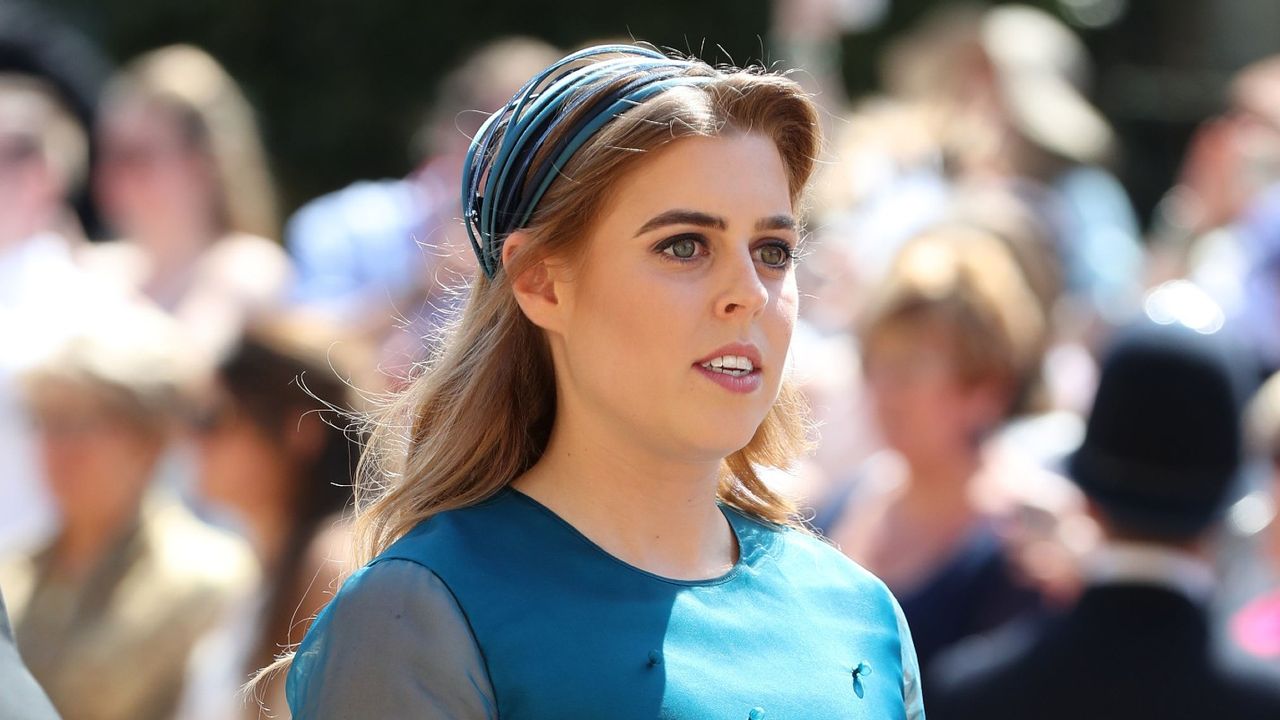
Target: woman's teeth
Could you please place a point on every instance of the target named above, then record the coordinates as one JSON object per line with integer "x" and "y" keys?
{"x": 730, "y": 365}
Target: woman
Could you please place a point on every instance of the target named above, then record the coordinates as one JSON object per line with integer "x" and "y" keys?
{"x": 183, "y": 180}
{"x": 107, "y": 613}
{"x": 950, "y": 342}
{"x": 570, "y": 522}
{"x": 271, "y": 461}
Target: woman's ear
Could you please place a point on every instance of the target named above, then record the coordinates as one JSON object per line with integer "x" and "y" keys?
{"x": 535, "y": 286}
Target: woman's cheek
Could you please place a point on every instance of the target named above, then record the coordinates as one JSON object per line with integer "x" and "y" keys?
{"x": 787, "y": 309}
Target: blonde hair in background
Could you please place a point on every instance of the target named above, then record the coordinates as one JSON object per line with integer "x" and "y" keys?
{"x": 967, "y": 282}
{"x": 31, "y": 107}
{"x": 131, "y": 356}
{"x": 188, "y": 82}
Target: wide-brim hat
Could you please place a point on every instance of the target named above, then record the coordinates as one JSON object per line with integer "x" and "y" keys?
{"x": 1042, "y": 70}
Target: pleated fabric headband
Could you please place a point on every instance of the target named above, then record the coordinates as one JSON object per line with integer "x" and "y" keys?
{"x": 502, "y": 183}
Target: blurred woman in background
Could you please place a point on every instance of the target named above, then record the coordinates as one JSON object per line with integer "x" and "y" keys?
{"x": 949, "y": 346}
{"x": 107, "y": 613}
{"x": 183, "y": 180}
{"x": 282, "y": 471}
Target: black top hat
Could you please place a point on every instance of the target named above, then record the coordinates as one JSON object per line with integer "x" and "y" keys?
{"x": 1163, "y": 442}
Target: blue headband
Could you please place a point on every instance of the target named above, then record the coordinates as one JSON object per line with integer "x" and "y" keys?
{"x": 502, "y": 184}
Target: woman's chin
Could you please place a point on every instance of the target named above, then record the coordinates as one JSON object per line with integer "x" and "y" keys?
{"x": 717, "y": 443}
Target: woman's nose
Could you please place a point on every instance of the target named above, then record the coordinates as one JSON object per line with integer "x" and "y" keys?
{"x": 743, "y": 293}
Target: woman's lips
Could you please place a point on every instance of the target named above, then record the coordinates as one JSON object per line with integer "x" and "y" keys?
{"x": 734, "y": 367}
{"x": 747, "y": 383}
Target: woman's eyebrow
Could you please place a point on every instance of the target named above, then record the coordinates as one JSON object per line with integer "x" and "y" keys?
{"x": 777, "y": 222}
{"x": 683, "y": 217}
{"x": 701, "y": 219}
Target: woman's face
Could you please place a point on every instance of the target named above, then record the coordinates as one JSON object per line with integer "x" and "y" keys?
{"x": 672, "y": 330}
{"x": 150, "y": 180}
{"x": 923, "y": 409}
{"x": 27, "y": 185}
{"x": 96, "y": 462}
{"x": 240, "y": 465}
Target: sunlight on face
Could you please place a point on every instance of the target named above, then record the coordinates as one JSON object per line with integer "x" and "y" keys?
{"x": 96, "y": 461}
{"x": 148, "y": 172}
{"x": 679, "y": 316}
{"x": 239, "y": 463}
{"x": 922, "y": 407}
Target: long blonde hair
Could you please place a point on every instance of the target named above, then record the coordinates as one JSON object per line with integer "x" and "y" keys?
{"x": 218, "y": 120}
{"x": 966, "y": 283}
{"x": 479, "y": 412}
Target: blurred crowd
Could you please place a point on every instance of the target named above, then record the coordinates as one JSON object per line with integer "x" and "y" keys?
{"x": 177, "y": 387}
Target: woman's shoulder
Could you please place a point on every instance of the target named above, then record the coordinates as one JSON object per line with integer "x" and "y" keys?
{"x": 462, "y": 535}
{"x": 396, "y": 627}
{"x": 800, "y": 552}
{"x": 389, "y": 586}
{"x": 379, "y": 604}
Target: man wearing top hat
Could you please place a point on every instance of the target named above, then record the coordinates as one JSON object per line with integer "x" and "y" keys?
{"x": 1161, "y": 451}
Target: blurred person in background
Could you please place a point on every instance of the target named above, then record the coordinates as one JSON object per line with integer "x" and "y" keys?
{"x": 37, "y": 41}
{"x": 1057, "y": 391}
{"x": 1158, "y": 464}
{"x": 380, "y": 252}
{"x": 1256, "y": 627}
{"x": 45, "y": 156}
{"x": 183, "y": 180}
{"x": 949, "y": 346}
{"x": 989, "y": 98}
{"x": 985, "y": 118}
{"x": 1018, "y": 116}
{"x": 282, "y": 470}
{"x": 1219, "y": 226}
{"x": 43, "y": 159}
{"x": 106, "y": 614}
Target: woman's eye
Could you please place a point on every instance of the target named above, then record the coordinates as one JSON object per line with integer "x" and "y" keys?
{"x": 683, "y": 248}
{"x": 775, "y": 256}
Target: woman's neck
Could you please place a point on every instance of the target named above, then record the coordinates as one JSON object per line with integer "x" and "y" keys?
{"x": 83, "y": 544}
{"x": 180, "y": 235}
{"x": 267, "y": 517}
{"x": 176, "y": 243}
{"x": 269, "y": 527}
{"x": 172, "y": 257}
{"x": 23, "y": 226}
{"x": 654, "y": 513}
{"x": 941, "y": 485}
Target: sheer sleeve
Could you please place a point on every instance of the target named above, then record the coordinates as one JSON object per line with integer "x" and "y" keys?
{"x": 393, "y": 644}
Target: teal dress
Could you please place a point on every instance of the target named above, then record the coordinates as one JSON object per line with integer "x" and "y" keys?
{"x": 504, "y": 610}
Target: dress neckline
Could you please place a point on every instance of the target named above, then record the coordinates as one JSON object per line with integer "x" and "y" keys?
{"x": 747, "y": 537}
